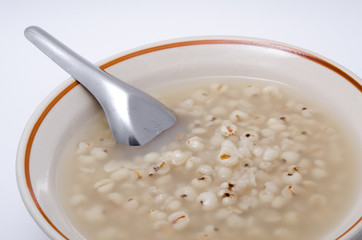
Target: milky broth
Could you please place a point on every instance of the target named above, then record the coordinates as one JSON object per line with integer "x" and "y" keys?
{"x": 247, "y": 160}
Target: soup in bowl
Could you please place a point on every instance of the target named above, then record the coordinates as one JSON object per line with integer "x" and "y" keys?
{"x": 265, "y": 147}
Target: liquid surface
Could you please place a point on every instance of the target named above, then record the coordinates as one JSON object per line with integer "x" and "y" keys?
{"x": 246, "y": 160}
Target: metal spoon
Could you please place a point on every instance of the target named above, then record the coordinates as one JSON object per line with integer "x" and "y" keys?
{"x": 134, "y": 117}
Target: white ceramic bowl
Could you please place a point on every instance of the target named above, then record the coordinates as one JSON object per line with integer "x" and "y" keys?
{"x": 66, "y": 108}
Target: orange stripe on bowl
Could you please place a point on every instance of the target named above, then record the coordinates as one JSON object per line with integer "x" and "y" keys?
{"x": 239, "y": 42}
{"x": 28, "y": 151}
{"x": 257, "y": 43}
{"x": 349, "y": 229}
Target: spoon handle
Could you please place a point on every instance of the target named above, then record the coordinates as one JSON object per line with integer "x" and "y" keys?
{"x": 134, "y": 117}
{"x": 88, "y": 74}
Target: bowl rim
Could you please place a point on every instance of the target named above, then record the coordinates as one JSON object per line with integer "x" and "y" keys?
{"x": 27, "y": 139}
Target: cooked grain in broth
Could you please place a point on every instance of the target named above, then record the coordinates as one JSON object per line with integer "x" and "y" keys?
{"x": 248, "y": 160}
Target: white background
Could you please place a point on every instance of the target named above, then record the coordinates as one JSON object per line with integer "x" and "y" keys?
{"x": 98, "y": 29}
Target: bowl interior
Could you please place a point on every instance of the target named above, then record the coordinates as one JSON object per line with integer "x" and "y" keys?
{"x": 69, "y": 106}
